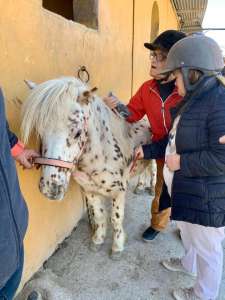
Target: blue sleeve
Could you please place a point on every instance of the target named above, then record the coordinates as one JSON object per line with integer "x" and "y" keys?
{"x": 12, "y": 137}
{"x": 155, "y": 150}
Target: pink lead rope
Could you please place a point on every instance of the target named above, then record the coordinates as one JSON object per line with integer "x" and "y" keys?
{"x": 134, "y": 162}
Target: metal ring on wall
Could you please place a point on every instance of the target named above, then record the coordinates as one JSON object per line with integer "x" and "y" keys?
{"x": 83, "y": 74}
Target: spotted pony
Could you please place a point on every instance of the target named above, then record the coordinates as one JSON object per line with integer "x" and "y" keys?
{"x": 77, "y": 128}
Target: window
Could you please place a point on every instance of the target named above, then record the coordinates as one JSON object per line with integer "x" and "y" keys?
{"x": 81, "y": 11}
{"x": 63, "y": 8}
{"x": 154, "y": 21}
{"x": 86, "y": 12}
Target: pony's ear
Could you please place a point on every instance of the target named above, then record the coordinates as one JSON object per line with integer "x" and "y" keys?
{"x": 30, "y": 84}
{"x": 86, "y": 97}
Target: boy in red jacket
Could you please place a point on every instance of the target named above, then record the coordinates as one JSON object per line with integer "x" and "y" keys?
{"x": 154, "y": 99}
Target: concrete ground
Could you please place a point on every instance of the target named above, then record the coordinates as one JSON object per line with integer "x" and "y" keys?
{"x": 76, "y": 273}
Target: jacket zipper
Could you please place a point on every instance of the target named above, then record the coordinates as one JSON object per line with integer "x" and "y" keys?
{"x": 163, "y": 107}
{"x": 16, "y": 231}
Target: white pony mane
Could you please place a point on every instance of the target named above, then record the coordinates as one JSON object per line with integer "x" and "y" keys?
{"x": 45, "y": 102}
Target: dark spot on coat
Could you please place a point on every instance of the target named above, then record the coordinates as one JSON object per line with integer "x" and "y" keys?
{"x": 117, "y": 215}
{"x": 68, "y": 142}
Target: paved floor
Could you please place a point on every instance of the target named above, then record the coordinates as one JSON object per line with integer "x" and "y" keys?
{"x": 76, "y": 273}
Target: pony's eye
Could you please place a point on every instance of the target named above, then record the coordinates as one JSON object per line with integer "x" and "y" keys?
{"x": 78, "y": 134}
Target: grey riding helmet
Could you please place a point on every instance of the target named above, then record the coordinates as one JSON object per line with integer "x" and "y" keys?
{"x": 196, "y": 52}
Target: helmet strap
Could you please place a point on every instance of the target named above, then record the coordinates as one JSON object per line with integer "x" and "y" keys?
{"x": 190, "y": 87}
{"x": 221, "y": 79}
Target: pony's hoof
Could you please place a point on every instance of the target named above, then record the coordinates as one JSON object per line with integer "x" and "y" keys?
{"x": 95, "y": 247}
{"x": 138, "y": 191}
{"x": 151, "y": 192}
{"x": 116, "y": 255}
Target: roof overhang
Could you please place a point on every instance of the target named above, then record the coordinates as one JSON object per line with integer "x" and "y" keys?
{"x": 190, "y": 14}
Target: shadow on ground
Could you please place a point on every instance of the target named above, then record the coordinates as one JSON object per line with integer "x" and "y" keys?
{"x": 76, "y": 273}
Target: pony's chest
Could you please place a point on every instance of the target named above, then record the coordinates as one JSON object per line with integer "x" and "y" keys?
{"x": 105, "y": 182}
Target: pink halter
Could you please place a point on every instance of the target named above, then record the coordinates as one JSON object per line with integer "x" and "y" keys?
{"x": 58, "y": 162}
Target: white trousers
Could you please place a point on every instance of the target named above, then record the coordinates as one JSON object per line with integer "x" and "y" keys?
{"x": 203, "y": 256}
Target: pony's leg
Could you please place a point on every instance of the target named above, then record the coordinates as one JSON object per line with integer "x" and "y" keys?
{"x": 89, "y": 214}
{"x": 99, "y": 216}
{"x": 117, "y": 223}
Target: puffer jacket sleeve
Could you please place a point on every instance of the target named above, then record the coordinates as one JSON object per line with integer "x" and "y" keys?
{"x": 155, "y": 150}
{"x": 210, "y": 161}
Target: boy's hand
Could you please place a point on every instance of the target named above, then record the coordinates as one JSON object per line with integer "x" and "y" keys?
{"x": 110, "y": 101}
{"x": 25, "y": 158}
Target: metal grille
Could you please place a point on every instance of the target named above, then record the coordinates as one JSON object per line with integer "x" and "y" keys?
{"x": 190, "y": 14}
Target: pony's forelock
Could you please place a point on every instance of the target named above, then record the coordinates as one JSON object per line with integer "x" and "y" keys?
{"x": 43, "y": 107}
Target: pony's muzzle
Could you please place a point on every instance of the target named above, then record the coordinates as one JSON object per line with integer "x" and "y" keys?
{"x": 53, "y": 191}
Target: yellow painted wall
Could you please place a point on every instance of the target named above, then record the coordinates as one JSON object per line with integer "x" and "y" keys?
{"x": 142, "y": 33}
{"x": 39, "y": 45}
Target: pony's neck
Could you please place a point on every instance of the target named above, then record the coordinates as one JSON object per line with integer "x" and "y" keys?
{"x": 106, "y": 129}
{"x": 106, "y": 120}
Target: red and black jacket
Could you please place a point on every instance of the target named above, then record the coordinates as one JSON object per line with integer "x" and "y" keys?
{"x": 147, "y": 101}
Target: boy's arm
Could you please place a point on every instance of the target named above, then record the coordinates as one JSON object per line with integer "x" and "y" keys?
{"x": 155, "y": 150}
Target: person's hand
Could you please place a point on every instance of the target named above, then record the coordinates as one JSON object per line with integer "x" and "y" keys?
{"x": 173, "y": 162}
{"x": 138, "y": 152}
{"x": 25, "y": 158}
{"x": 111, "y": 102}
{"x": 222, "y": 139}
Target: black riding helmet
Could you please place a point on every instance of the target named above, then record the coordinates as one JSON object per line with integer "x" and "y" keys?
{"x": 165, "y": 40}
{"x": 197, "y": 52}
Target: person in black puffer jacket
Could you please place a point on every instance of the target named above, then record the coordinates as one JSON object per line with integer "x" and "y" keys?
{"x": 198, "y": 184}
{"x": 13, "y": 209}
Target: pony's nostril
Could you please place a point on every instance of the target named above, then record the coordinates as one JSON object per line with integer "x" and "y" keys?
{"x": 56, "y": 189}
